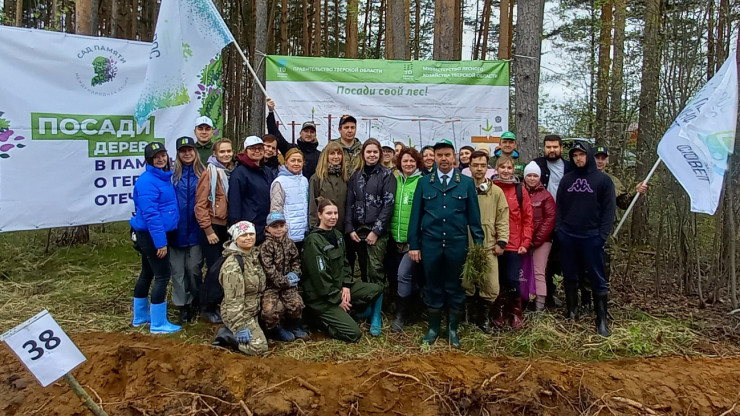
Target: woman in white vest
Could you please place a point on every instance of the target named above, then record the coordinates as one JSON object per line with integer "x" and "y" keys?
{"x": 289, "y": 195}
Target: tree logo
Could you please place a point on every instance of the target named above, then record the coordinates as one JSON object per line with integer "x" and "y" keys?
{"x": 99, "y": 70}
{"x": 8, "y": 139}
{"x": 105, "y": 70}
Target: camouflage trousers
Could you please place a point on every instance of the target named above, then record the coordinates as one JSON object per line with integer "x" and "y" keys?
{"x": 277, "y": 304}
{"x": 258, "y": 344}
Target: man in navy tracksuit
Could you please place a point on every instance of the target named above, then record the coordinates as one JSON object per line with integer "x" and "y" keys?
{"x": 586, "y": 205}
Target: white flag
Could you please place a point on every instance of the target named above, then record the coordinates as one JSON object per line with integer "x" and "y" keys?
{"x": 696, "y": 146}
{"x": 189, "y": 34}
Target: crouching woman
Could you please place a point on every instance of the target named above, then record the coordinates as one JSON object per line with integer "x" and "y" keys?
{"x": 243, "y": 281}
{"x": 329, "y": 289}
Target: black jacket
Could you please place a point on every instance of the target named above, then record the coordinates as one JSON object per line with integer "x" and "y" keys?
{"x": 249, "y": 194}
{"x": 545, "y": 171}
{"x": 370, "y": 199}
{"x": 310, "y": 151}
{"x": 586, "y": 203}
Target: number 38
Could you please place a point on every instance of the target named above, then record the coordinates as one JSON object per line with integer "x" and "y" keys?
{"x": 49, "y": 340}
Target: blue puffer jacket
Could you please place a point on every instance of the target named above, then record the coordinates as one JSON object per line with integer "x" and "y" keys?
{"x": 156, "y": 205}
{"x": 188, "y": 228}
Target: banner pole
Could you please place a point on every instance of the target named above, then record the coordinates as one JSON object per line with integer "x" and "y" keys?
{"x": 256, "y": 79}
{"x": 634, "y": 200}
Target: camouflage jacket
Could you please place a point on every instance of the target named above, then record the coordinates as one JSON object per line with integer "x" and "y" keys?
{"x": 242, "y": 290}
{"x": 278, "y": 258}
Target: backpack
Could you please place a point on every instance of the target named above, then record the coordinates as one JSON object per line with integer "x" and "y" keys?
{"x": 211, "y": 293}
{"x": 519, "y": 197}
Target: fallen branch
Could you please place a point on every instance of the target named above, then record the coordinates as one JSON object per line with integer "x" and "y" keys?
{"x": 725, "y": 413}
{"x": 246, "y": 409}
{"x": 276, "y": 385}
{"x": 306, "y": 384}
{"x": 521, "y": 376}
{"x": 634, "y": 404}
{"x": 409, "y": 376}
{"x": 491, "y": 380}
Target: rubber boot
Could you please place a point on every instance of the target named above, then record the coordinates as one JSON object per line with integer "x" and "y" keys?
{"x": 281, "y": 334}
{"x": 141, "y": 312}
{"x": 586, "y": 302}
{"x": 402, "y": 307}
{"x": 571, "y": 301}
{"x": 184, "y": 314}
{"x": 500, "y": 310}
{"x": 600, "y": 302}
{"x": 225, "y": 338}
{"x": 160, "y": 324}
{"x": 435, "y": 319}
{"x": 516, "y": 311}
{"x": 453, "y": 320}
{"x": 540, "y": 303}
{"x": 472, "y": 311}
{"x": 367, "y": 313}
{"x": 376, "y": 321}
{"x": 212, "y": 314}
{"x": 294, "y": 326}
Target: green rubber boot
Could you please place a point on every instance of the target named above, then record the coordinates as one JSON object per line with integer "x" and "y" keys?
{"x": 435, "y": 319}
{"x": 453, "y": 321}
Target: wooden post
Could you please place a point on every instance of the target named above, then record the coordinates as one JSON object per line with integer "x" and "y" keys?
{"x": 82, "y": 394}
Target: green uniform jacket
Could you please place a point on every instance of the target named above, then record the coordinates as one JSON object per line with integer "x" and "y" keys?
{"x": 444, "y": 215}
{"x": 405, "y": 188}
{"x": 333, "y": 188}
{"x": 325, "y": 268}
{"x": 204, "y": 151}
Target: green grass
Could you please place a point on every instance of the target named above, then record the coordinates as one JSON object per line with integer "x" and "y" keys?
{"x": 89, "y": 288}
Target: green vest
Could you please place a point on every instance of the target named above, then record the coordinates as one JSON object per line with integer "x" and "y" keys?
{"x": 403, "y": 203}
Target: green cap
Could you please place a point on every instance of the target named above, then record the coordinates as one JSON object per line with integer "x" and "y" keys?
{"x": 444, "y": 143}
{"x": 508, "y": 135}
{"x": 602, "y": 150}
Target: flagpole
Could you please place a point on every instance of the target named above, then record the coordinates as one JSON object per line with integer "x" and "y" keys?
{"x": 256, "y": 79}
{"x": 634, "y": 200}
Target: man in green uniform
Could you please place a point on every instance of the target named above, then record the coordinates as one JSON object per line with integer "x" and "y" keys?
{"x": 445, "y": 207}
{"x": 350, "y": 143}
{"x": 508, "y": 148}
{"x": 204, "y": 134}
{"x": 624, "y": 198}
{"x": 329, "y": 289}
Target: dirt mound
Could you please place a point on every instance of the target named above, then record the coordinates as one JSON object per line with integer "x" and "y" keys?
{"x": 134, "y": 374}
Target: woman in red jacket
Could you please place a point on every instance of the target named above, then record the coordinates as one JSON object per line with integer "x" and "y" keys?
{"x": 543, "y": 205}
{"x": 508, "y": 305}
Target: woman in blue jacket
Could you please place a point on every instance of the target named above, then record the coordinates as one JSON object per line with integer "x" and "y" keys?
{"x": 186, "y": 258}
{"x": 156, "y": 214}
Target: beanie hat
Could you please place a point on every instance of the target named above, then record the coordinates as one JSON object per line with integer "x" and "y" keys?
{"x": 241, "y": 228}
{"x": 532, "y": 167}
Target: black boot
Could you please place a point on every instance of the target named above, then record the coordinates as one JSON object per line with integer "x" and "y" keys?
{"x": 402, "y": 311}
{"x": 586, "y": 302}
{"x": 435, "y": 320}
{"x": 184, "y": 314}
{"x": 600, "y": 302}
{"x": 452, "y": 324}
{"x": 471, "y": 310}
{"x": 571, "y": 301}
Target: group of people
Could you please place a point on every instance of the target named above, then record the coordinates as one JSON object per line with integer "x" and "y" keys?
{"x": 282, "y": 227}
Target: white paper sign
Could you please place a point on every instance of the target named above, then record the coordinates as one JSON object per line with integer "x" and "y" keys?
{"x": 44, "y": 348}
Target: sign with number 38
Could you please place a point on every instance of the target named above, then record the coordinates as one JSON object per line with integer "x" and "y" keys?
{"x": 44, "y": 348}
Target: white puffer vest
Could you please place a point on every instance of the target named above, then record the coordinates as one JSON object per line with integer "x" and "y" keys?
{"x": 296, "y": 204}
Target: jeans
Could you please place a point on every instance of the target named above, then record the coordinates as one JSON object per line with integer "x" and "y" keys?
{"x": 509, "y": 266}
{"x": 409, "y": 276}
{"x": 186, "y": 264}
{"x": 212, "y": 252}
{"x": 152, "y": 268}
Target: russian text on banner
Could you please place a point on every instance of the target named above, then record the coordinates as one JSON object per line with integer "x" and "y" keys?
{"x": 188, "y": 35}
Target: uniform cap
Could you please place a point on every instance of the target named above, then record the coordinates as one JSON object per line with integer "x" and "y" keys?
{"x": 444, "y": 143}
{"x": 508, "y": 135}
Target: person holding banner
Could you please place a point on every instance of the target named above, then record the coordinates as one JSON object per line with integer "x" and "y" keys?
{"x": 204, "y": 133}
{"x": 249, "y": 187}
{"x": 186, "y": 258}
{"x": 585, "y": 212}
{"x": 623, "y": 197}
{"x": 307, "y": 141}
{"x": 211, "y": 211}
{"x": 156, "y": 214}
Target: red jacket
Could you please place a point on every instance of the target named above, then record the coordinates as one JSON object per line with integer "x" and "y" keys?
{"x": 543, "y": 205}
{"x": 520, "y": 220}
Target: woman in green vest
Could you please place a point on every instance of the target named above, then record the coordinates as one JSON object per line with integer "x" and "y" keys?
{"x": 409, "y": 163}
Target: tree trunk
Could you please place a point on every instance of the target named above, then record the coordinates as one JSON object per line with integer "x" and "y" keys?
{"x": 257, "y": 109}
{"x": 19, "y": 13}
{"x": 326, "y": 27}
{"x": 133, "y": 20}
{"x": 602, "y": 77}
{"x": 617, "y": 124}
{"x": 504, "y": 41}
{"x": 336, "y": 26}
{"x": 366, "y": 28}
{"x": 350, "y": 47}
{"x": 317, "y": 46}
{"x": 486, "y": 27}
{"x": 396, "y": 34}
{"x": 647, "y": 133}
{"x": 529, "y": 22}
{"x": 710, "y": 40}
{"x": 306, "y": 30}
{"x": 283, "y": 27}
{"x": 115, "y": 19}
{"x": 381, "y": 30}
{"x": 417, "y": 28}
{"x": 271, "y": 38}
{"x": 56, "y": 22}
{"x": 445, "y": 14}
{"x": 458, "y": 29}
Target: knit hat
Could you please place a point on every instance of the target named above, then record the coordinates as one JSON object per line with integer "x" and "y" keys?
{"x": 484, "y": 147}
{"x": 241, "y": 228}
{"x": 532, "y": 167}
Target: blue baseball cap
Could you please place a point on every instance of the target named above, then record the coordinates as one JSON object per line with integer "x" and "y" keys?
{"x": 274, "y": 217}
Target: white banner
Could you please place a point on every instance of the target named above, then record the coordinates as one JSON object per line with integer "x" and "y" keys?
{"x": 415, "y": 102}
{"x": 70, "y": 150}
{"x": 696, "y": 146}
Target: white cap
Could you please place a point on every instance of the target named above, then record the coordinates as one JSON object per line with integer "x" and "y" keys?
{"x": 251, "y": 141}
{"x": 387, "y": 143}
{"x": 532, "y": 167}
{"x": 203, "y": 120}
{"x": 240, "y": 228}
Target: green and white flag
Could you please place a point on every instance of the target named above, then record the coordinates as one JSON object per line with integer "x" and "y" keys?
{"x": 415, "y": 102}
{"x": 188, "y": 35}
